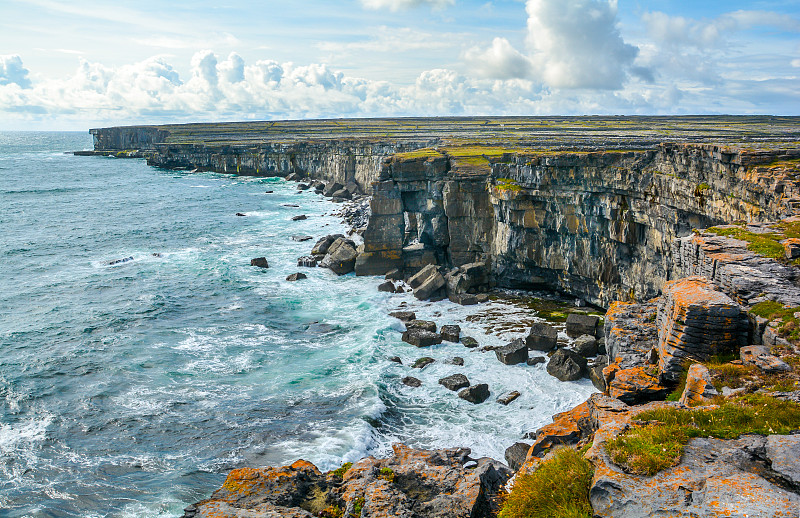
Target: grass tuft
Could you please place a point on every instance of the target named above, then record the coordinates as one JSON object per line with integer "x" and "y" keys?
{"x": 340, "y": 472}
{"x": 559, "y": 488}
{"x": 650, "y": 448}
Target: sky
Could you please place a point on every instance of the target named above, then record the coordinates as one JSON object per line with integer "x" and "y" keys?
{"x": 71, "y": 65}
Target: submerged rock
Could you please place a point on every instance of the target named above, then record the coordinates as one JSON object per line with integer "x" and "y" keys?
{"x": 411, "y": 381}
{"x": 423, "y": 362}
{"x": 454, "y": 382}
{"x": 421, "y": 337}
{"x": 260, "y": 262}
{"x": 567, "y": 365}
{"x": 475, "y": 394}
{"x": 451, "y": 333}
{"x": 404, "y": 316}
{"x": 469, "y": 342}
{"x": 505, "y": 399}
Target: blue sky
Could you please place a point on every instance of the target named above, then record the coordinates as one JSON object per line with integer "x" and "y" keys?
{"x": 75, "y": 64}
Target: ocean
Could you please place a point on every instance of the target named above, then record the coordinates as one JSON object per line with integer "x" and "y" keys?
{"x": 131, "y": 389}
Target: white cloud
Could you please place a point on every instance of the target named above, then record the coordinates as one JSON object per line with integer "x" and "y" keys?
{"x": 396, "y": 5}
{"x": 500, "y": 61}
{"x": 796, "y": 63}
{"x": 13, "y": 72}
{"x": 577, "y": 44}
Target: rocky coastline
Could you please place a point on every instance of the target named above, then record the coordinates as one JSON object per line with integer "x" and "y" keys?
{"x": 690, "y": 249}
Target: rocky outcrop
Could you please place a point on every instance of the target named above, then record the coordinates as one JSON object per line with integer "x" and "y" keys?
{"x": 412, "y": 483}
{"x": 695, "y": 322}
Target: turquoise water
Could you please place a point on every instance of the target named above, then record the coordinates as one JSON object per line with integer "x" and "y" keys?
{"x": 131, "y": 389}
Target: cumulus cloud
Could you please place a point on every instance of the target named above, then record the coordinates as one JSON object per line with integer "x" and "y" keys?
{"x": 577, "y": 44}
{"x": 500, "y": 61}
{"x": 678, "y": 31}
{"x": 13, "y": 72}
{"x": 396, "y": 5}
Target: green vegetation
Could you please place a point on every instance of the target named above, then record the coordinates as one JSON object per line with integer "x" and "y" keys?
{"x": 652, "y": 447}
{"x": 766, "y": 244}
{"x": 333, "y": 511}
{"x": 358, "y": 506}
{"x": 559, "y": 488}
{"x": 701, "y": 189}
{"x": 387, "y": 474}
{"x": 789, "y": 326}
{"x": 507, "y": 184}
{"x": 420, "y": 153}
{"x": 339, "y": 472}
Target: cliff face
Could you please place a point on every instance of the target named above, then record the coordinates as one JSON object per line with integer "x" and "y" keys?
{"x": 598, "y": 225}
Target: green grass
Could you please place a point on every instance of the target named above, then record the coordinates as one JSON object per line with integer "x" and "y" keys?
{"x": 507, "y": 184}
{"x": 650, "y": 448}
{"x": 789, "y": 326}
{"x": 420, "y": 153}
{"x": 339, "y": 472}
{"x": 766, "y": 244}
{"x": 387, "y": 474}
{"x": 559, "y": 488}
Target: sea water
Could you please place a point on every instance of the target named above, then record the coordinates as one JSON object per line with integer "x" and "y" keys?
{"x": 131, "y": 389}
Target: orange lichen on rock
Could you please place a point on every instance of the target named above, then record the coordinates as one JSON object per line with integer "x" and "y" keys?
{"x": 695, "y": 322}
{"x": 636, "y": 385}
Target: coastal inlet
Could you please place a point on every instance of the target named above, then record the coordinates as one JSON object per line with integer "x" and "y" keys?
{"x": 133, "y": 388}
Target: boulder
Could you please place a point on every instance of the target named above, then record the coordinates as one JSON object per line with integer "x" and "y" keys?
{"x": 321, "y": 248}
{"x": 516, "y": 454}
{"x": 567, "y": 365}
{"x": 595, "y": 371}
{"x": 475, "y": 394}
{"x": 411, "y": 381}
{"x": 342, "y": 194}
{"x": 469, "y": 342}
{"x": 241, "y": 214}
{"x": 303, "y": 186}
{"x": 759, "y": 356}
{"x": 426, "y": 325}
{"x": 536, "y": 360}
{"x": 396, "y": 359}
{"x": 699, "y": 388}
{"x": 567, "y": 428}
{"x": 695, "y": 322}
{"x": 260, "y": 262}
{"x": 308, "y": 261}
{"x": 331, "y": 187}
{"x": 300, "y": 238}
{"x": 456, "y": 360}
{"x": 464, "y": 299}
{"x": 505, "y": 399}
{"x": 579, "y": 324}
{"x": 387, "y": 287}
{"x": 791, "y": 248}
{"x": 341, "y": 257}
{"x": 423, "y": 275}
{"x": 421, "y": 338}
{"x": 405, "y": 316}
{"x": 635, "y": 385}
{"x": 294, "y": 177}
{"x": 454, "y": 382}
{"x": 394, "y": 275}
{"x": 423, "y": 362}
{"x": 451, "y": 333}
{"x": 541, "y": 337}
{"x": 426, "y": 282}
{"x": 301, "y": 217}
{"x": 586, "y": 346}
{"x": 468, "y": 277}
{"x": 513, "y": 353}
{"x": 296, "y": 277}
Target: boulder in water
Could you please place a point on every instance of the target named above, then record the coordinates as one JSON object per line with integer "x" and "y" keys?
{"x": 260, "y": 262}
